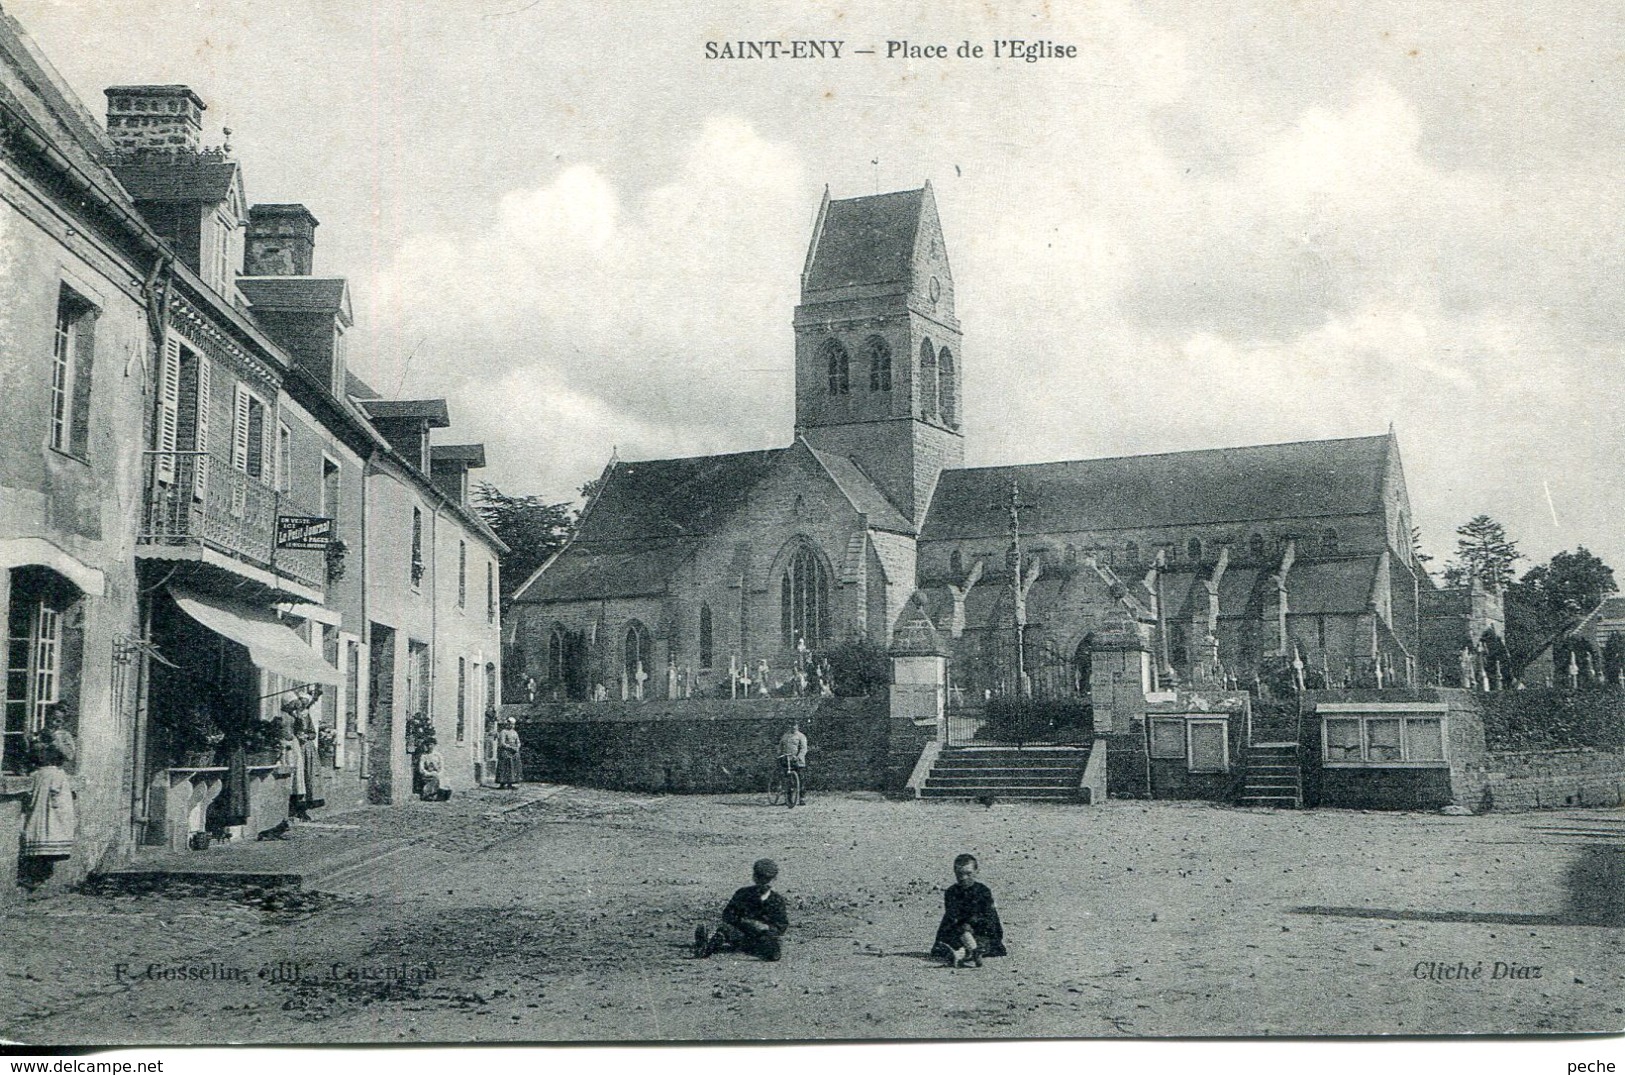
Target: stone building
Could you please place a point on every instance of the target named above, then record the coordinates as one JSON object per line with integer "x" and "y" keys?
{"x": 201, "y": 508}
{"x": 75, "y": 349}
{"x": 1215, "y": 568}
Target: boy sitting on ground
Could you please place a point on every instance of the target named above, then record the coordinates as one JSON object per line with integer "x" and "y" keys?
{"x": 970, "y": 926}
{"x": 753, "y": 921}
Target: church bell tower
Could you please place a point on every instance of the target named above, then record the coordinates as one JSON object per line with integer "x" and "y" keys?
{"x": 878, "y": 358}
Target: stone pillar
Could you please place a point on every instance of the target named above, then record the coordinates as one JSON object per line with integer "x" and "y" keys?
{"x": 919, "y": 689}
{"x": 1118, "y": 680}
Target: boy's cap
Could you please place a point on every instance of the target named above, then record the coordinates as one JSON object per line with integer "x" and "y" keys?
{"x": 765, "y": 868}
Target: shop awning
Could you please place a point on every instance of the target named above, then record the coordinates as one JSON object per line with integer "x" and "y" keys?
{"x": 271, "y": 644}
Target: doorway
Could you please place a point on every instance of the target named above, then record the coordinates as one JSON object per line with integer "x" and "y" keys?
{"x": 381, "y": 715}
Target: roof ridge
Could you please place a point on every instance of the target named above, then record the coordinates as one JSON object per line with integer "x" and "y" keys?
{"x": 708, "y": 455}
{"x": 881, "y": 194}
{"x": 1162, "y": 455}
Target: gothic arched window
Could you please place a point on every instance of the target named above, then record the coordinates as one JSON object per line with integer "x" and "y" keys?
{"x": 1328, "y": 543}
{"x": 556, "y": 641}
{"x": 928, "y": 380}
{"x": 707, "y": 641}
{"x": 1194, "y": 548}
{"x": 637, "y": 654}
{"x": 1255, "y": 546}
{"x": 879, "y": 364}
{"x": 948, "y": 389}
{"x": 804, "y": 599}
{"x": 840, "y": 367}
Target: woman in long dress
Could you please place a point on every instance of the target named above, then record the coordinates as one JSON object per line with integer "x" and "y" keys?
{"x": 431, "y": 771}
{"x": 508, "y": 773}
{"x": 49, "y": 830}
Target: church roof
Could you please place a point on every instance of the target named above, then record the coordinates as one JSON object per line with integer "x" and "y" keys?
{"x": 1223, "y": 485}
{"x": 599, "y": 573}
{"x": 665, "y": 498}
{"x": 865, "y": 496}
{"x": 864, "y": 241}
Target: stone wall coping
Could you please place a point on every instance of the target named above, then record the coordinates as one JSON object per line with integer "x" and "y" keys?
{"x": 742, "y": 709}
{"x": 1382, "y": 707}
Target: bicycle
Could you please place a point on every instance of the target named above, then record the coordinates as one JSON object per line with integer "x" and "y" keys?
{"x": 784, "y": 785}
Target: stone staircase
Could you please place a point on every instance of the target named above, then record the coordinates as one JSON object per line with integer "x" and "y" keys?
{"x": 1007, "y": 772}
{"x": 1274, "y": 776}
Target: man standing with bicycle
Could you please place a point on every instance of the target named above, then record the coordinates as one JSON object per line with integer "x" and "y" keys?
{"x": 793, "y": 752}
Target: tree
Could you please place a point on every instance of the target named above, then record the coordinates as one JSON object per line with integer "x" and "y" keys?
{"x": 1484, "y": 552}
{"x": 532, "y": 528}
{"x": 1570, "y": 585}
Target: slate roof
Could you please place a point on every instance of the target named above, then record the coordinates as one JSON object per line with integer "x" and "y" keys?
{"x": 666, "y": 498}
{"x": 591, "y": 574}
{"x": 865, "y": 240}
{"x": 355, "y": 386}
{"x": 472, "y": 455}
{"x": 177, "y": 178}
{"x": 865, "y": 496}
{"x": 323, "y": 293}
{"x": 434, "y": 410}
{"x": 1271, "y": 481}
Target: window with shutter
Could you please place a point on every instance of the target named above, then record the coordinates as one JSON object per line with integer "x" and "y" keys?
{"x": 200, "y": 473}
{"x": 284, "y": 458}
{"x": 256, "y": 439}
{"x": 169, "y": 398}
{"x": 84, "y": 353}
{"x": 239, "y": 430}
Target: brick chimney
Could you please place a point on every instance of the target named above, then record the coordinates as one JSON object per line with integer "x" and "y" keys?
{"x": 155, "y": 118}
{"x": 281, "y": 241}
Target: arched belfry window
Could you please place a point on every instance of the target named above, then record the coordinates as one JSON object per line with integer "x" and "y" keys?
{"x": 637, "y": 654}
{"x": 948, "y": 388}
{"x": 879, "y": 356}
{"x": 928, "y": 379}
{"x": 840, "y": 367}
{"x": 804, "y": 599}
{"x": 707, "y": 637}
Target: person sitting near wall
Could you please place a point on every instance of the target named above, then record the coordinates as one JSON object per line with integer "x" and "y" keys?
{"x": 431, "y": 770}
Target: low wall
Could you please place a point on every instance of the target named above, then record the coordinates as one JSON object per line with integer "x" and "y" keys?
{"x": 1547, "y": 779}
{"x": 702, "y": 745}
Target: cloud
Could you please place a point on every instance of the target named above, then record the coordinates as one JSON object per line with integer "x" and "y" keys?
{"x": 641, "y": 320}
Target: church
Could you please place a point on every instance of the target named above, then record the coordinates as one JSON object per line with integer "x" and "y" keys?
{"x": 1216, "y": 568}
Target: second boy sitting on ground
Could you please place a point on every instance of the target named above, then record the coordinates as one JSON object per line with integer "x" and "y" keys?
{"x": 753, "y": 921}
{"x": 970, "y": 926}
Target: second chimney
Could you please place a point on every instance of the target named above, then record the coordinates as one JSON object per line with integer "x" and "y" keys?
{"x": 281, "y": 241}
{"x": 162, "y": 118}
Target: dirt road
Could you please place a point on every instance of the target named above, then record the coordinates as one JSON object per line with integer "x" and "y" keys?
{"x": 566, "y": 914}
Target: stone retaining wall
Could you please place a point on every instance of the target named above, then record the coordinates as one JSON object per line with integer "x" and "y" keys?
{"x": 1547, "y": 779}
{"x": 703, "y": 745}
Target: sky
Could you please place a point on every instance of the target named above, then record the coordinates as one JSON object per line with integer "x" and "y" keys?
{"x": 1216, "y": 225}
